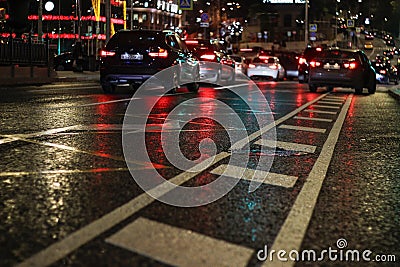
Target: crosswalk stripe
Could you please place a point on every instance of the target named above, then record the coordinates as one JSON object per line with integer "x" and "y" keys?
{"x": 178, "y": 247}
{"x": 325, "y": 106}
{"x": 287, "y": 145}
{"x": 275, "y": 179}
{"x": 320, "y": 111}
{"x": 330, "y": 102}
{"x": 335, "y": 97}
{"x": 312, "y": 119}
{"x": 302, "y": 128}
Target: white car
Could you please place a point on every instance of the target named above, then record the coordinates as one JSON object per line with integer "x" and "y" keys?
{"x": 266, "y": 66}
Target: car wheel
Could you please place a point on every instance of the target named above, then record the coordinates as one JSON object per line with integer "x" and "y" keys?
{"x": 108, "y": 88}
{"x": 312, "y": 88}
{"x": 277, "y": 77}
{"x": 372, "y": 87}
{"x": 193, "y": 87}
{"x": 358, "y": 89}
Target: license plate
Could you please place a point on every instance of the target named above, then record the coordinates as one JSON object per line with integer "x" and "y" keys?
{"x": 332, "y": 66}
{"x": 127, "y": 56}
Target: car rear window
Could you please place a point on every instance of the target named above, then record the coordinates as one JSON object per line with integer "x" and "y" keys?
{"x": 312, "y": 52}
{"x": 338, "y": 54}
{"x": 138, "y": 39}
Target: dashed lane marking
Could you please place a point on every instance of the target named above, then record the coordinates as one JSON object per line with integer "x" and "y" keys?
{"x": 178, "y": 247}
{"x": 320, "y": 111}
{"x": 302, "y": 128}
{"x": 275, "y": 179}
{"x": 312, "y": 119}
{"x": 287, "y": 145}
{"x": 325, "y": 106}
{"x": 293, "y": 230}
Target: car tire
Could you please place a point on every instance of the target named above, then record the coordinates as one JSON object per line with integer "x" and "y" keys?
{"x": 358, "y": 89}
{"x": 372, "y": 87}
{"x": 312, "y": 88}
{"x": 108, "y": 88}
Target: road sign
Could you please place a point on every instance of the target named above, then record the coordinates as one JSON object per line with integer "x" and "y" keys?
{"x": 350, "y": 23}
{"x": 186, "y": 4}
{"x": 313, "y": 27}
{"x": 204, "y": 17}
{"x": 204, "y": 24}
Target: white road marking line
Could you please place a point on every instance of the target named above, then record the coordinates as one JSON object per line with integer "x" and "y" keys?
{"x": 302, "y": 128}
{"x": 335, "y": 97}
{"x": 325, "y": 106}
{"x": 287, "y": 145}
{"x": 312, "y": 119}
{"x": 62, "y": 248}
{"x": 17, "y": 174}
{"x": 178, "y": 247}
{"x": 15, "y": 137}
{"x": 330, "y": 102}
{"x": 320, "y": 111}
{"x": 241, "y": 143}
{"x": 275, "y": 179}
{"x": 295, "y": 226}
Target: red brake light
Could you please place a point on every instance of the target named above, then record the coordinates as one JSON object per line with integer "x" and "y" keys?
{"x": 273, "y": 66}
{"x": 350, "y": 65}
{"x": 302, "y": 60}
{"x": 208, "y": 57}
{"x": 314, "y": 64}
{"x": 161, "y": 53}
{"x": 105, "y": 53}
{"x": 382, "y": 71}
{"x": 192, "y": 42}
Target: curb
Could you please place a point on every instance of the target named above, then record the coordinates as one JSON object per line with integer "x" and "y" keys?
{"x": 395, "y": 93}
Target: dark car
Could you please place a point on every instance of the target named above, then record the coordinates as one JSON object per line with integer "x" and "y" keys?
{"x": 343, "y": 68}
{"x": 304, "y": 62}
{"x": 386, "y": 73}
{"x": 63, "y": 61}
{"x": 133, "y": 56}
{"x": 212, "y": 51}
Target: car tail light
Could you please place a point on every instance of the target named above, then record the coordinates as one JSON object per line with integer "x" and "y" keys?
{"x": 105, "y": 53}
{"x": 314, "y": 64}
{"x": 162, "y": 53}
{"x": 246, "y": 49}
{"x": 273, "y": 66}
{"x": 382, "y": 71}
{"x": 350, "y": 65}
{"x": 318, "y": 49}
{"x": 302, "y": 60}
{"x": 193, "y": 42}
{"x": 208, "y": 57}
{"x": 252, "y": 66}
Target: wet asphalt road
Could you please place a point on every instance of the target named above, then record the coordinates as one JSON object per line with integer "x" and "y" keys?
{"x": 68, "y": 198}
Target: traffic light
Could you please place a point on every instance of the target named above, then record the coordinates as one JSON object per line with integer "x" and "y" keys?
{"x": 18, "y": 20}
